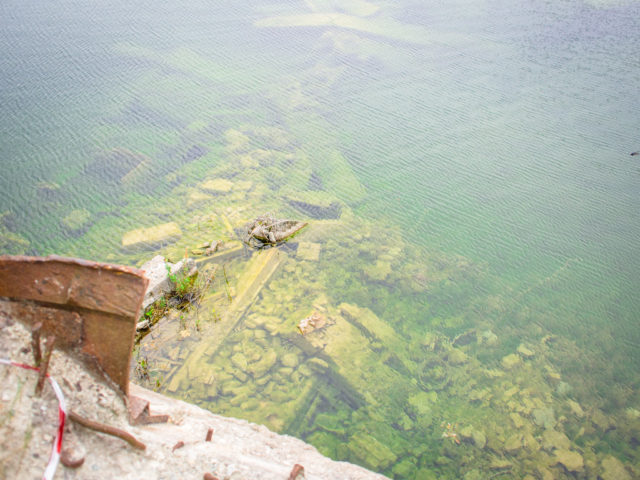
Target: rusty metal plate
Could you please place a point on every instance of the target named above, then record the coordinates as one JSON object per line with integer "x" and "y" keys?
{"x": 90, "y": 307}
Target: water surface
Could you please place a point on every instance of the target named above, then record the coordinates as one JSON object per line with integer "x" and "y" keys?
{"x": 479, "y": 154}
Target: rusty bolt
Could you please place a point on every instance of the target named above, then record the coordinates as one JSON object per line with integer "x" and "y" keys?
{"x": 209, "y": 435}
{"x": 297, "y": 473}
{"x": 35, "y": 344}
{"x": 178, "y": 445}
{"x": 44, "y": 365}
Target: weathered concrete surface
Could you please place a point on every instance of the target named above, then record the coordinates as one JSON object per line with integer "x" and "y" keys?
{"x": 238, "y": 450}
{"x": 158, "y": 271}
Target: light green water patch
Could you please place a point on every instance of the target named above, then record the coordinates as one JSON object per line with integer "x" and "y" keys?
{"x": 359, "y": 8}
{"x": 380, "y": 26}
{"x": 367, "y": 388}
{"x": 421, "y": 363}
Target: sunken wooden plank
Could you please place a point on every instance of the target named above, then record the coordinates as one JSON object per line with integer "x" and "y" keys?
{"x": 260, "y": 270}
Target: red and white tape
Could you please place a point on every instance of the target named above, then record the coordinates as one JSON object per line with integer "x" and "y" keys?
{"x": 62, "y": 415}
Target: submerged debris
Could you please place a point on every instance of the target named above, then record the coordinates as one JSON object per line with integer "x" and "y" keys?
{"x": 266, "y": 230}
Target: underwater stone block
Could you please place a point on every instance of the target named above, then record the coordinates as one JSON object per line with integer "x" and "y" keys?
{"x": 421, "y": 403}
{"x": 576, "y": 409}
{"x": 524, "y": 351}
{"x": 553, "y": 440}
{"x": 404, "y": 469}
{"x": 290, "y": 360}
{"x": 457, "y": 357}
{"x": 217, "y": 185}
{"x": 510, "y": 361}
{"x": 370, "y": 451}
{"x": 76, "y": 220}
{"x": 239, "y": 361}
{"x": 330, "y": 424}
{"x": 369, "y": 321}
{"x": 544, "y": 417}
{"x": 197, "y": 198}
{"x": 317, "y": 204}
{"x": 613, "y": 469}
{"x": 152, "y": 236}
{"x": 268, "y": 360}
{"x": 324, "y": 442}
{"x": 513, "y": 443}
{"x": 569, "y": 459}
{"x": 378, "y": 272}
{"x": 308, "y": 251}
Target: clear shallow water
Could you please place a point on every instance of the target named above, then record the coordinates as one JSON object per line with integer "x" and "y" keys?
{"x": 495, "y": 131}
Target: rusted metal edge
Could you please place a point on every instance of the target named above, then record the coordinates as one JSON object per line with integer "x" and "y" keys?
{"x": 90, "y": 307}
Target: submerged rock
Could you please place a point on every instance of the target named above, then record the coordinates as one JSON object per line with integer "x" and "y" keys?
{"x": 554, "y": 440}
{"x": 151, "y": 237}
{"x": 77, "y": 220}
{"x": 217, "y": 185}
{"x": 116, "y": 165}
{"x": 370, "y": 451}
{"x": 569, "y": 459}
{"x": 576, "y": 409}
{"x": 544, "y": 417}
{"x": 317, "y": 205}
{"x": 510, "y": 361}
{"x": 601, "y": 421}
{"x": 377, "y": 272}
{"x": 525, "y": 352}
{"x": 308, "y": 251}
{"x": 473, "y": 435}
{"x": 465, "y": 338}
{"x": 290, "y": 360}
{"x": 513, "y": 443}
{"x": 488, "y": 338}
{"x": 613, "y": 469}
{"x": 457, "y": 357}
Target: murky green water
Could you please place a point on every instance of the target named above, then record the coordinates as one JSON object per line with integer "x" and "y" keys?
{"x": 473, "y": 208}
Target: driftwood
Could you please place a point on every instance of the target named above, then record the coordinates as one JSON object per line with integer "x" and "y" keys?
{"x": 267, "y": 230}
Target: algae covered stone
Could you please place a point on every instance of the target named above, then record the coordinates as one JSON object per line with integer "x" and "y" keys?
{"x": 152, "y": 236}
{"x": 422, "y": 403}
{"x": 554, "y": 440}
{"x": 510, "y": 361}
{"x": 488, "y": 338}
{"x": 378, "y": 272}
{"x": 457, "y": 357}
{"x": 544, "y": 417}
{"x": 613, "y": 469}
{"x": 290, "y": 360}
{"x": 77, "y": 219}
{"x": 239, "y": 361}
{"x": 513, "y": 443}
{"x": 473, "y": 435}
{"x": 569, "y": 459}
{"x": 217, "y": 185}
{"x": 525, "y": 352}
{"x": 370, "y": 451}
{"x": 308, "y": 251}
